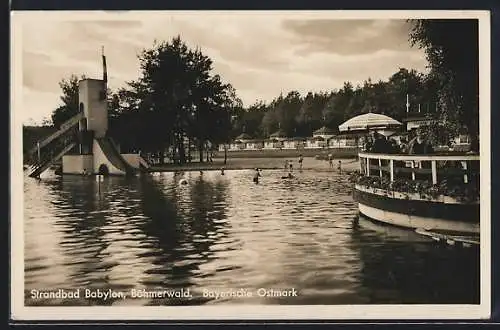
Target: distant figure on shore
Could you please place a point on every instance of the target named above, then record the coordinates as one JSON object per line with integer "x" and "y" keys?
{"x": 222, "y": 171}
{"x": 256, "y": 176}
{"x": 339, "y": 167}
{"x": 330, "y": 160}
{"x": 301, "y": 159}
{"x": 290, "y": 164}
{"x": 286, "y": 164}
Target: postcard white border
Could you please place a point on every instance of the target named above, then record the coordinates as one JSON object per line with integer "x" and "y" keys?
{"x": 246, "y": 312}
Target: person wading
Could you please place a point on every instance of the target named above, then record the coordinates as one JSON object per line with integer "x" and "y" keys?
{"x": 256, "y": 176}
{"x": 301, "y": 159}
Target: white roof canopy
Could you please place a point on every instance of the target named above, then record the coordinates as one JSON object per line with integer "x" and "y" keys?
{"x": 367, "y": 121}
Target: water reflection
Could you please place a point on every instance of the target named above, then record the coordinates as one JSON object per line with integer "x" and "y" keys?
{"x": 401, "y": 266}
{"x": 222, "y": 233}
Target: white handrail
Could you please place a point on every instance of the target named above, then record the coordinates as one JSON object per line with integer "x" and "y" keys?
{"x": 364, "y": 160}
{"x": 418, "y": 157}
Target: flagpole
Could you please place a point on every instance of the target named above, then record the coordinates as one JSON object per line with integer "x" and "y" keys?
{"x": 104, "y": 71}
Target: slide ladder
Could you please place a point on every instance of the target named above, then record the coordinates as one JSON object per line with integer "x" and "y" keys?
{"x": 40, "y": 167}
{"x": 63, "y": 129}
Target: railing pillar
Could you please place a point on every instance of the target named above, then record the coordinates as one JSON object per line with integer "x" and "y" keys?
{"x": 380, "y": 167}
{"x": 367, "y": 166}
{"x": 464, "y": 166}
{"x": 391, "y": 165}
{"x": 434, "y": 172}
{"x": 413, "y": 172}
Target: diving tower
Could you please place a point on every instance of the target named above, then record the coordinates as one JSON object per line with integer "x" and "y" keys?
{"x": 87, "y": 150}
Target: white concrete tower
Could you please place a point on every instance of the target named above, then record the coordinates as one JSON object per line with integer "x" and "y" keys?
{"x": 92, "y": 100}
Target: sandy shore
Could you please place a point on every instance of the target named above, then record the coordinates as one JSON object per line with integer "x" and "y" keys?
{"x": 309, "y": 163}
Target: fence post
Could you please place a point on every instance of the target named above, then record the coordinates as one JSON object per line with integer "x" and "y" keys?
{"x": 367, "y": 166}
{"x": 391, "y": 166}
{"x": 434, "y": 172}
{"x": 413, "y": 172}
{"x": 380, "y": 167}
{"x": 464, "y": 166}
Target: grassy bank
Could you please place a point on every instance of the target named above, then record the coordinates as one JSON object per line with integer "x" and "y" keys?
{"x": 309, "y": 163}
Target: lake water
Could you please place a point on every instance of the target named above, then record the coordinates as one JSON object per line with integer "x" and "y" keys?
{"x": 224, "y": 235}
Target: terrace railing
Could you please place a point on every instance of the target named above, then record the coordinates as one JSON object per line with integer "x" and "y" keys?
{"x": 435, "y": 167}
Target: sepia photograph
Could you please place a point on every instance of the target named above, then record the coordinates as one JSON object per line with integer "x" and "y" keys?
{"x": 250, "y": 165}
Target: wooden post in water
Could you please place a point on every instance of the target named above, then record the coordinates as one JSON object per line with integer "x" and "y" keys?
{"x": 99, "y": 178}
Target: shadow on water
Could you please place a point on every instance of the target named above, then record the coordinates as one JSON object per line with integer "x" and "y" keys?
{"x": 123, "y": 229}
{"x": 185, "y": 223}
{"x": 403, "y": 267}
{"x": 83, "y": 212}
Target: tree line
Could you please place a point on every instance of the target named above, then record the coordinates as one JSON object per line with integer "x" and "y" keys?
{"x": 300, "y": 115}
{"x": 178, "y": 101}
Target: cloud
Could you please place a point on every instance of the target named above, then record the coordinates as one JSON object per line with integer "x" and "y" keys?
{"x": 260, "y": 55}
{"x": 349, "y": 37}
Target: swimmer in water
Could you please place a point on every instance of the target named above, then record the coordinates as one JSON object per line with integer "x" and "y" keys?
{"x": 222, "y": 171}
{"x": 340, "y": 166}
{"x": 289, "y": 176}
{"x": 256, "y": 176}
{"x": 201, "y": 172}
{"x": 183, "y": 182}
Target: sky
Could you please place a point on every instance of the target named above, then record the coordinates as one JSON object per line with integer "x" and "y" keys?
{"x": 260, "y": 54}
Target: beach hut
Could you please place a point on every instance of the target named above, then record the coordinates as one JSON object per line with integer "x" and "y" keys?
{"x": 236, "y": 145}
{"x": 279, "y": 135}
{"x": 272, "y": 144}
{"x": 344, "y": 141}
{"x": 254, "y": 144}
{"x": 316, "y": 142}
{"x": 294, "y": 143}
{"x": 243, "y": 138}
{"x": 324, "y": 132}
